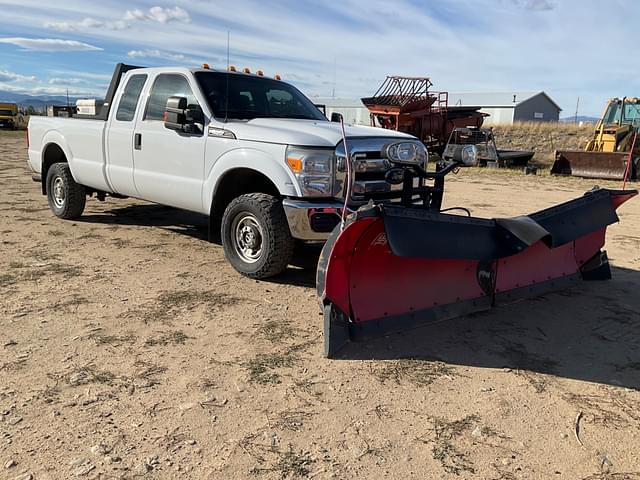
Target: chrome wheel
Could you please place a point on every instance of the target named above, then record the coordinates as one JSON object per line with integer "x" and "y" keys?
{"x": 59, "y": 193}
{"x": 247, "y": 237}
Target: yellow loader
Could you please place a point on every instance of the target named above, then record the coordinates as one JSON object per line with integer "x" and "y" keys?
{"x": 613, "y": 146}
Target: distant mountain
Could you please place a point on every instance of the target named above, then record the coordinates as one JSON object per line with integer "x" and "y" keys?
{"x": 581, "y": 118}
{"x": 39, "y": 102}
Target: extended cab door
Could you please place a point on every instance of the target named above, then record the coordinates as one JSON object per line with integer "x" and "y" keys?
{"x": 169, "y": 165}
{"x": 119, "y": 156}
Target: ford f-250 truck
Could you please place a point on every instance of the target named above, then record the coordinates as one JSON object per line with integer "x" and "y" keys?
{"x": 251, "y": 152}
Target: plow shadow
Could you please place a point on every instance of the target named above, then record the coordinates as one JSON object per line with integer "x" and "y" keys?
{"x": 590, "y": 332}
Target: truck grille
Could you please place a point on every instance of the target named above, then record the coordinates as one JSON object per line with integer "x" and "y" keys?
{"x": 369, "y": 169}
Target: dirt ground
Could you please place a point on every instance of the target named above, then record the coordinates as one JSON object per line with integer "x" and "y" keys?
{"x": 129, "y": 348}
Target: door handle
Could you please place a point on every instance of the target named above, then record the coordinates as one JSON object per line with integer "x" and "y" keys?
{"x": 137, "y": 141}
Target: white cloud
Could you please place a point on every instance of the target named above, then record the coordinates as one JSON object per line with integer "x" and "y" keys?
{"x": 6, "y": 76}
{"x": 155, "y": 14}
{"x": 166, "y": 15}
{"x": 136, "y": 14}
{"x": 48, "y": 44}
{"x": 152, "y": 53}
{"x": 159, "y": 14}
{"x": 86, "y": 24}
{"x": 65, "y": 81}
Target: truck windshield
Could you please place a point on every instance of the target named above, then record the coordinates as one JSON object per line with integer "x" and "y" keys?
{"x": 252, "y": 97}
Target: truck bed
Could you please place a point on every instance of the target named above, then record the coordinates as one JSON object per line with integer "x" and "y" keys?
{"x": 85, "y": 135}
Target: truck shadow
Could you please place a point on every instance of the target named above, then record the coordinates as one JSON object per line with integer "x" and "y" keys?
{"x": 301, "y": 272}
{"x": 150, "y": 215}
{"x": 590, "y": 332}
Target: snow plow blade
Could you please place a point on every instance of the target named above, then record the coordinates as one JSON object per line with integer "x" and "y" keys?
{"x": 604, "y": 165}
{"x": 394, "y": 267}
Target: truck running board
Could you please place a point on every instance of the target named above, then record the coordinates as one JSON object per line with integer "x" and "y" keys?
{"x": 394, "y": 268}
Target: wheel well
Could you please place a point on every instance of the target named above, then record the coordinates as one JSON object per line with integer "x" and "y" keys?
{"x": 234, "y": 183}
{"x": 52, "y": 154}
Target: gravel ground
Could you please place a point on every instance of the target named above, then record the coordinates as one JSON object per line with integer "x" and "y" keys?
{"x": 129, "y": 348}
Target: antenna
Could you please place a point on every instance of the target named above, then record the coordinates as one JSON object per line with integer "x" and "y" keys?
{"x": 577, "y": 104}
{"x": 335, "y": 70}
{"x": 67, "y": 98}
{"x": 226, "y": 95}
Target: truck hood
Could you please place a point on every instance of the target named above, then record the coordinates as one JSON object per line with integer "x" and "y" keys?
{"x": 312, "y": 133}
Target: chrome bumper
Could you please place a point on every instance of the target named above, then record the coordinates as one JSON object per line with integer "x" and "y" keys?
{"x": 300, "y": 215}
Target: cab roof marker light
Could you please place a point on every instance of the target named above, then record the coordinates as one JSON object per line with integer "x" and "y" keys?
{"x": 205, "y": 66}
{"x": 277, "y": 76}
{"x": 246, "y": 70}
{"x": 232, "y": 68}
{"x": 260, "y": 73}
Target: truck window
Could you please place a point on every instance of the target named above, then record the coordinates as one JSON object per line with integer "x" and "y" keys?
{"x": 129, "y": 101}
{"x": 167, "y": 85}
{"x": 244, "y": 97}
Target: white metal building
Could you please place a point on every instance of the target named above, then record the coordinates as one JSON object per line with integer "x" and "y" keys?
{"x": 508, "y": 107}
{"x": 352, "y": 109}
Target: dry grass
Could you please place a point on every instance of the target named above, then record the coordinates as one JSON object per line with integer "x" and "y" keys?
{"x": 543, "y": 138}
{"x": 413, "y": 370}
{"x": 261, "y": 367}
{"x": 442, "y": 439}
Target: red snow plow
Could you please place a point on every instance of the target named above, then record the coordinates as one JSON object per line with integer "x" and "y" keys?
{"x": 399, "y": 263}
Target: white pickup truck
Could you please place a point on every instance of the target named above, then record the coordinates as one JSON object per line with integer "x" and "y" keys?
{"x": 251, "y": 152}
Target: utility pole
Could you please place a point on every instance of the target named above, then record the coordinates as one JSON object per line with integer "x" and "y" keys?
{"x": 577, "y": 105}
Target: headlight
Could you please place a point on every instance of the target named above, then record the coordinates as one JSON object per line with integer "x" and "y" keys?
{"x": 313, "y": 168}
{"x": 467, "y": 155}
{"x": 406, "y": 153}
{"x": 470, "y": 155}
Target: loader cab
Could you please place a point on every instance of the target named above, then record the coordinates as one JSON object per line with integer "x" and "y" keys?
{"x": 624, "y": 111}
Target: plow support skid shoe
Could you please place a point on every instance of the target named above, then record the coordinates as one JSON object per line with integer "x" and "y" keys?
{"x": 394, "y": 268}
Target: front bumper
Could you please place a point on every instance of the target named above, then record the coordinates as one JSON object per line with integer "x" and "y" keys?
{"x": 312, "y": 220}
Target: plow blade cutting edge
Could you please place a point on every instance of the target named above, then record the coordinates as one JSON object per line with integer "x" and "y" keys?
{"x": 394, "y": 268}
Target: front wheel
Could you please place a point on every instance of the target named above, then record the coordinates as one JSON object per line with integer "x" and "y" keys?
{"x": 66, "y": 197}
{"x": 255, "y": 235}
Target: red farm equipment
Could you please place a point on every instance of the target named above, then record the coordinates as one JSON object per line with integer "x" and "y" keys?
{"x": 406, "y": 104}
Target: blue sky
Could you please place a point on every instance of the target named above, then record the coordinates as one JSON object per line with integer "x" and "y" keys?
{"x": 568, "y": 48}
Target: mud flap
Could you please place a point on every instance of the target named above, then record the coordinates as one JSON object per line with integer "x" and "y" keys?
{"x": 395, "y": 268}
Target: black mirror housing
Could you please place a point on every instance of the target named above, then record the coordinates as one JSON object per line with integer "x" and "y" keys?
{"x": 336, "y": 117}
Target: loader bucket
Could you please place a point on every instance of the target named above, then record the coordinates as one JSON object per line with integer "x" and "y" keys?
{"x": 393, "y": 267}
{"x": 604, "y": 165}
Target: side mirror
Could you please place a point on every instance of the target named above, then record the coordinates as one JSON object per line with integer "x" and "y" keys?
{"x": 181, "y": 117}
{"x": 175, "y": 115}
{"x": 337, "y": 117}
{"x": 465, "y": 155}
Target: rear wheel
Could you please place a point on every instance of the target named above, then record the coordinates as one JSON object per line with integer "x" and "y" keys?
{"x": 66, "y": 197}
{"x": 255, "y": 235}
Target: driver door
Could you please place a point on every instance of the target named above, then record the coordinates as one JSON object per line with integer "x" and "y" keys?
{"x": 169, "y": 165}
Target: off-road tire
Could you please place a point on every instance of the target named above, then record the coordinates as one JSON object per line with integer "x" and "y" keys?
{"x": 75, "y": 195}
{"x": 277, "y": 243}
